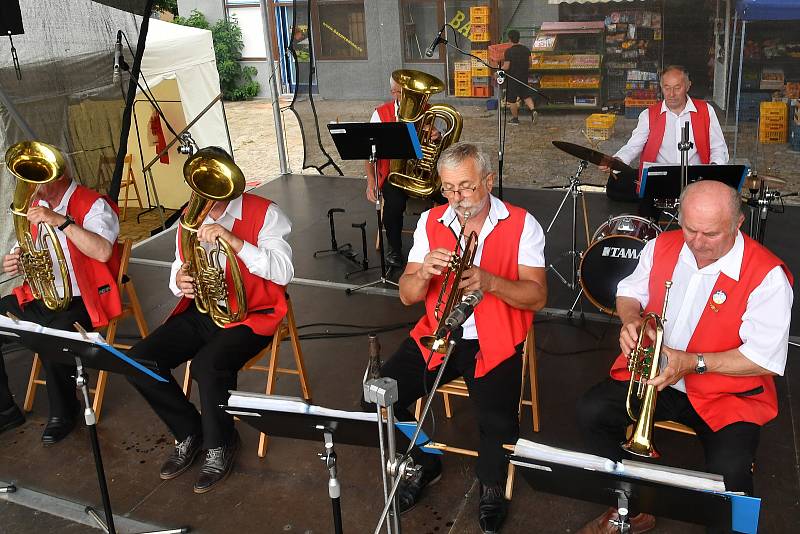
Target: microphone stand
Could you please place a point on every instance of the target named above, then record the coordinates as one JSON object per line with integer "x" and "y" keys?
{"x": 501, "y": 115}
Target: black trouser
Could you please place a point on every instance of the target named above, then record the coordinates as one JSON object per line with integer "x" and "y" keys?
{"x": 61, "y": 390}
{"x": 730, "y": 451}
{"x": 495, "y": 396}
{"x": 394, "y": 206}
{"x": 217, "y": 354}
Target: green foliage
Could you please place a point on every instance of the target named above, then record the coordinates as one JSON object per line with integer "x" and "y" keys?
{"x": 236, "y": 81}
{"x": 166, "y": 5}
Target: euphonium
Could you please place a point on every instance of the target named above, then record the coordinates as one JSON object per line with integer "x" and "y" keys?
{"x": 419, "y": 177}
{"x": 213, "y": 176}
{"x": 452, "y": 278}
{"x": 33, "y": 164}
{"x": 643, "y": 364}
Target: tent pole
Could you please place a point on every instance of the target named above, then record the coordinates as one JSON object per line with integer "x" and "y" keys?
{"x": 273, "y": 88}
{"x": 22, "y": 123}
{"x": 731, "y": 52}
{"x": 116, "y": 179}
{"x": 739, "y": 90}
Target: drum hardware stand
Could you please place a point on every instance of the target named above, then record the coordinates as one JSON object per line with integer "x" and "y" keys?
{"x": 760, "y": 205}
{"x": 383, "y": 393}
{"x": 378, "y": 197}
{"x": 365, "y": 259}
{"x": 623, "y": 521}
{"x": 574, "y": 191}
{"x": 684, "y": 147}
{"x": 345, "y": 250}
{"x": 11, "y": 488}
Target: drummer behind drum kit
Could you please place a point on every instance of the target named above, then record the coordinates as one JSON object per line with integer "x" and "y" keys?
{"x": 613, "y": 251}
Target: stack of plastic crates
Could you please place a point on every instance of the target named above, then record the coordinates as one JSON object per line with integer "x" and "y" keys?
{"x": 773, "y": 122}
{"x": 600, "y": 126}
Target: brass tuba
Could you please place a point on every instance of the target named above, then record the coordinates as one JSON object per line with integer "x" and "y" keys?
{"x": 452, "y": 278}
{"x": 213, "y": 176}
{"x": 643, "y": 364}
{"x": 33, "y": 164}
{"x": 419, "y": 178}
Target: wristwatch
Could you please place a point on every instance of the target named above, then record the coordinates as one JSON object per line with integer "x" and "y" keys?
{"x": 701, "y": 364}
{"x": 66, "y": 223}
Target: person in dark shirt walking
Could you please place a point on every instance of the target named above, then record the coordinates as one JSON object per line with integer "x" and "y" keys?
{"x": 517, "y": 64}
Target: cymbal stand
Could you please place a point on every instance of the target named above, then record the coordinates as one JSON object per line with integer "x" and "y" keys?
{"x": 760, "y": 203}
{"x": 574, "y": 191}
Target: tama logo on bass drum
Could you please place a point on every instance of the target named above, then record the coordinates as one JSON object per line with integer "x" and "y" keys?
{"x": 621, "y": 252}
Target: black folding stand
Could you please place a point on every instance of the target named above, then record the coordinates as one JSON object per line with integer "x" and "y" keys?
{"x": 83, "y": 352}
{"x": 628, "y": 493}
{"x": 373, "y": 141}
{"x": 310, "y": 427}
{"x": 345, "y": 250}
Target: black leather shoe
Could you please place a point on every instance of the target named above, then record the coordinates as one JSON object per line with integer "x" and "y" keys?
{"x": 493, "y": 508}
{"x": 410, "y": 490}
{"x": 58, "y": 428}
{"x": 217, "y": 465}
{"x": 394, "y": 259}
{"x": 11, "y": 418}
{"x": 182, "y": 457}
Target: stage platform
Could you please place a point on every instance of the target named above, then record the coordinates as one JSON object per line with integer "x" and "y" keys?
{"x": 287, "y": 491}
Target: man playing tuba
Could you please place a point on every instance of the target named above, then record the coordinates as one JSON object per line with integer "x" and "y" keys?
{"x": 86, "y": 226}
{"x": 256, "y": 230}
{"x": 509, "y": 270}
{"x": 725, "y": 336}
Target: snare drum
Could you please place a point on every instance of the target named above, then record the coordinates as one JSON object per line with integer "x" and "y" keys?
{"x": 612, "y": 256}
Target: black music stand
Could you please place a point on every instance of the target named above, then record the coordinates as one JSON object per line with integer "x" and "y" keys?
{"x": 719, "y": 510}
{"x": 372, "y": 141}
{"x": 293, "y": 417}
{"x": 664, "y": 181}
{"x": 84, "y": 351}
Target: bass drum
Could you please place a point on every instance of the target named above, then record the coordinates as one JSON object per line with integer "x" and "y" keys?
{"x": 612, "y": 256}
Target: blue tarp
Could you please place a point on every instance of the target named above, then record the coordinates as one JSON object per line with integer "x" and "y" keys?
{"x": 768, "y": 9}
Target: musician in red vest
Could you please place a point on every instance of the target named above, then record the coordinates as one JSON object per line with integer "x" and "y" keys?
{"x": 509, "y": 269}
{"x": 256, "y": 229}
{"x": 394, "y": 198}
{"x": 655, "y": 138}
{"x": 87, "y": 227}
{"x": 726, "y": 336}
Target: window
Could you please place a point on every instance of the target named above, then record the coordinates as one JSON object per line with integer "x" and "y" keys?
{"x": 341, "y": 29}
{"x": 421, "y": 20}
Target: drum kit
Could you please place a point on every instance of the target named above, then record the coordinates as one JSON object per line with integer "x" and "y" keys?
{"x": 764, "y": 197}
{"x": 613, "y": 250}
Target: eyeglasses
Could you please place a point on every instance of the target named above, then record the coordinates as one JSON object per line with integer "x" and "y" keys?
{"x": 463, "y": 191}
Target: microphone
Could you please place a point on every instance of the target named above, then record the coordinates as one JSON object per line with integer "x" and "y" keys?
{"x": 117, "y": 57}
{"x": 435, "y": 43}
{"x": 460, "y": 313}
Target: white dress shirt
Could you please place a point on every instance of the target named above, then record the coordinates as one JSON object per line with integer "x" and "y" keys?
{"x": 377, "y": 118}
{"x": 270, "y": 259}
{"x": 765, "y": 323}
{"x": 669, "y": 153}
{"x": 531, "y": 244}
{"x": 100, "y": 219}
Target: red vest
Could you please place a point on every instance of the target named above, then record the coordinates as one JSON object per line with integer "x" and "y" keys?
{"x": 387, "y": 114}
{"x": 701, "y": 124}
{"x": 719, "y": 399}
{"x": 266, "y": 300}
{"x": 96, "y": 280}
{"x": 500, "y": 327}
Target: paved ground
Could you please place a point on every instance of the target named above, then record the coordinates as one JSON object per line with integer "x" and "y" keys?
{"x": 530, "y": 158}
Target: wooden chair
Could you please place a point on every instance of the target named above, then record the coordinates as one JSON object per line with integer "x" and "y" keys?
{"x": 130, "y": 308}
{"x": 128, "y": 181}
{"x": 287, "y": 328}
{"x": 459, "y": 387}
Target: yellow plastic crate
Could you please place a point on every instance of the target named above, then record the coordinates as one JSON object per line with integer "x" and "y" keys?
{"x": 463, "y": 92}
{"x": 483, "y": 54}
{"x": 600, "y": 126}
{"x": 480, "y": 71}
{"x": 768, "y": 136}
{"x": 463, "y": 75}
{"x": 464, "y": 84}
{"x": 462, "y": 66}
{"x": 478, "y": 11}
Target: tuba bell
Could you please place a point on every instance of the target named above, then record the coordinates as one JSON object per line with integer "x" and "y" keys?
{"x": 460, "y": 262}
{"x": 34, "y": 163}
{"x": 213, "y": 176}
{"x": 643, "y": 364}
{"x": 419, "y": 178}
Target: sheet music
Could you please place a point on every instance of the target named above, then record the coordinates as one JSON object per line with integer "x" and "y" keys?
{"x": 537, "y": 451}
{"x": 92, "y": 337}
{"x": 280, "y": 403}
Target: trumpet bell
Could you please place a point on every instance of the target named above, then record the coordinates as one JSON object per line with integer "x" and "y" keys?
{"x": 436, "y": 344}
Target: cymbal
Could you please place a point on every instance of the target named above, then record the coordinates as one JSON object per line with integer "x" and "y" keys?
{"x": 753, "y": 181}
{"x": 593, "y": 156}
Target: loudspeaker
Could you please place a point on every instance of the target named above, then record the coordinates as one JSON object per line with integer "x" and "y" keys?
{"x": 10, "y": 18}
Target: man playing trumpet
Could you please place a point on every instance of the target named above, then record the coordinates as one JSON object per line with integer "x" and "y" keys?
{"x": 256, "y": 230}
{"x": 508, "y": 269}
{"x": 725, "y": 336}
